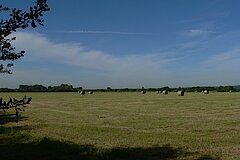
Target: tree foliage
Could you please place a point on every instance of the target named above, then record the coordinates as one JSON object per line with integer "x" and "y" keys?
{"x": 14, "y": 20}
{"x": 41, "y": 88}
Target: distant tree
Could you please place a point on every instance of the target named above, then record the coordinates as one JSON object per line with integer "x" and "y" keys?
{"x": 13, "y": 19}
{"x": 30, "y": 88}
{"x": 226, "y": 89}
{"x": 80, "y": 88}
{"x": 165, "y": 88}
{"x": 6, "y": 90}
{"x": 62, "y": 88}
{"x": 49, "y": 88}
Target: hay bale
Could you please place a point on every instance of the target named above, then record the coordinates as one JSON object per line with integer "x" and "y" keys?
{"x": 206, "y": 91}
{"x": 82, "y": 92}
{"x": 143, "y": 92}
{"x": 165, "y": 92}
{"x": 180, "y": 93}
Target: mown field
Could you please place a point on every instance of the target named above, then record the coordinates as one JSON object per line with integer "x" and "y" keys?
{"x": 124, "y": 126}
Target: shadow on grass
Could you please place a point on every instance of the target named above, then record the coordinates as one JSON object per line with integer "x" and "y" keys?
{"x": 18, "y": 147}
{"x": 208, "y": 157}
{"x": 6, "y": 118}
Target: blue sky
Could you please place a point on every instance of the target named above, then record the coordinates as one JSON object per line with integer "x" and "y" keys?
{"x": 123, "y": 43}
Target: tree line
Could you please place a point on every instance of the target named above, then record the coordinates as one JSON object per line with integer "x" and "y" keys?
{"x": 70, "y": 88}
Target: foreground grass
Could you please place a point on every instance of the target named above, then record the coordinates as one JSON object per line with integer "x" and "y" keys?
{"x": 125, "y": 126}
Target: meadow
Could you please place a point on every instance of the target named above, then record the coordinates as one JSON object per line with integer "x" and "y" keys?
{"x": 124, "y": 126}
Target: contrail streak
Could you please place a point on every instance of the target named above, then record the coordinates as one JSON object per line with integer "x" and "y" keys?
{"x": 99, "y": 32}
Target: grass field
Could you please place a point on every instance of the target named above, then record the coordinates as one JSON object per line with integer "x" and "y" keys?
{"x": 124, "y": 126}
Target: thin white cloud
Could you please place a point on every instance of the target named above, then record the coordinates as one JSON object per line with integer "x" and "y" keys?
{"x": 129, "y": 69}
{"x": 187, "y": 45}
{"x": 219, "y": 69}
{"x": 228, "y": 59}
{"x": 40, "y": 47}
{"x": 199, "y": 33}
